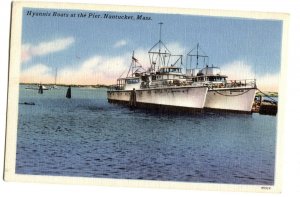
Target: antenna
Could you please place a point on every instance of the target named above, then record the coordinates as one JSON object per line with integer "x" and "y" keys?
{"x": 55, "y": 75}
{"x": 159, "y": 43}
{"x": 159, "y": 54}
{"x": 134, "y": 66}
{"x": 197, "y": 53}
{"x": 191, "y": 54}
{"x": 160, "y": 26}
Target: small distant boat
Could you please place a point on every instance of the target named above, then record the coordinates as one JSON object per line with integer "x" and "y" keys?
{"x": 28, "y": 103}
{"x": 37, "y": 87}
{"x": 55, "y": 86}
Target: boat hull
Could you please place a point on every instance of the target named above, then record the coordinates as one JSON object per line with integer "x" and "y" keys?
{"x": 169, "y": 97}
{"x": 236, "y": 99}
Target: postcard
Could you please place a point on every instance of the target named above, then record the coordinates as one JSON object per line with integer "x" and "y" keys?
{"x": 146, "y": 97}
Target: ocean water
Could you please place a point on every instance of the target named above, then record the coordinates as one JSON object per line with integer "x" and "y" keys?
{"x": 87, "y": 137}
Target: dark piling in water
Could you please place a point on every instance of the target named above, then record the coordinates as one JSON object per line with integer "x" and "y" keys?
{"x": 68, "y": 95}
{"x": 132, "y": 99}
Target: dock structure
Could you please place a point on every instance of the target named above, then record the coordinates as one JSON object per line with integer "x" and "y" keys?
{"x": 264, "y": 107}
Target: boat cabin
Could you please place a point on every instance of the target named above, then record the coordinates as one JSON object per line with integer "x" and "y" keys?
{"x": 170, "y": 70}
{"x": 210, "y": 75}
{"x": 209, "y": 78}
{"x": 168, "y": 73}
{"x": 129, "y": 83}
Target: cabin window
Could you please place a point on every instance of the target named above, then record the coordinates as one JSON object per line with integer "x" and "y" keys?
{"x": 211, "y": 78}
{"x": 145, "y": 78}
{"x": 132, "y": 81}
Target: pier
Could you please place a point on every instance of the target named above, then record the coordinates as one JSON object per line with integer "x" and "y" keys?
{"x": 264, "y": 107}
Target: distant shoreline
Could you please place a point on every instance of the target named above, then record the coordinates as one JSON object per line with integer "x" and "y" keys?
{"x": 268, "y": 93}
{"x": 67, "y": 85}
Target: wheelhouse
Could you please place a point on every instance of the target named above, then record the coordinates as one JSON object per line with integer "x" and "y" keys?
{"x": 210, "y": 78}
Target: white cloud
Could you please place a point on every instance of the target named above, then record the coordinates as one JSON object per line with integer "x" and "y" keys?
{"x": 44, "y": 48}
{"x": 120, "y": 43}
{"x": 175, "y": 48}
{"x": 105, "y": 70}
{"x": 95, "y": 70}
{"x": 238, "y": 70}
{"x": 268, "y": 82}
{"x": 38, "y": 73}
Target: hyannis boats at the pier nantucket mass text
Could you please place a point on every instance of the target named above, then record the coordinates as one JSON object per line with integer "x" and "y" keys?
{"x": 165, "y": 86}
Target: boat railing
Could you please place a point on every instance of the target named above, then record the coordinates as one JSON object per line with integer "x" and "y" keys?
{"x": 116, "y": 87}
{"x": 251, "y": 83}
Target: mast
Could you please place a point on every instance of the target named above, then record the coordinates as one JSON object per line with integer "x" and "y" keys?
{"x": 135, "y": 66}
{"x": 160, "y": 26}
{"x": 55, "y": 76}
{"x": 192, "y": 53}
{"x": 197, "y": 54}
{"x": 159, "y": 45}
{"x": 159, "y": 54}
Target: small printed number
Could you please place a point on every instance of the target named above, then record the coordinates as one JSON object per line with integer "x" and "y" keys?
{"x": 266, "y": 188}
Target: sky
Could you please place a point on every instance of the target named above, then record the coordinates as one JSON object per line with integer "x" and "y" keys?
{"x": 92, "y": 50}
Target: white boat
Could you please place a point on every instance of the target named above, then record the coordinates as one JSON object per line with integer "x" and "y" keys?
{"x": 233, "y": 95}
{"x": 37, "y": 87}
{"x": 153, "y": 90}
{"x": 162, "y": 86}
{"x": 223, "y": 94}
{"x": 165, "y": 85}
{"x": 55, "y": 80}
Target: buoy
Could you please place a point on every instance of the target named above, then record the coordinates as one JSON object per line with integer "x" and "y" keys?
{"x": 68, "y": 95}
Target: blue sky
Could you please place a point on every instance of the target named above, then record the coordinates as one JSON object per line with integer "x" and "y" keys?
{"x": 89, "y": 43}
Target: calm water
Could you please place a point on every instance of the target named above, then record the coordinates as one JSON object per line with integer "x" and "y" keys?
{"x": 87, "y": 137}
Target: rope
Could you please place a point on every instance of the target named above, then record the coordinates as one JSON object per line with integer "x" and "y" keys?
{"x": 230, "y": 95}
{"x": 267, "y": 95}
{"x": 245, "y": 93}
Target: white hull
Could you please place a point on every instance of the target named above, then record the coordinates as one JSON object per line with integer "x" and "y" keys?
{"x": 231, "y": 99}
{"x": 189, "y": 97}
